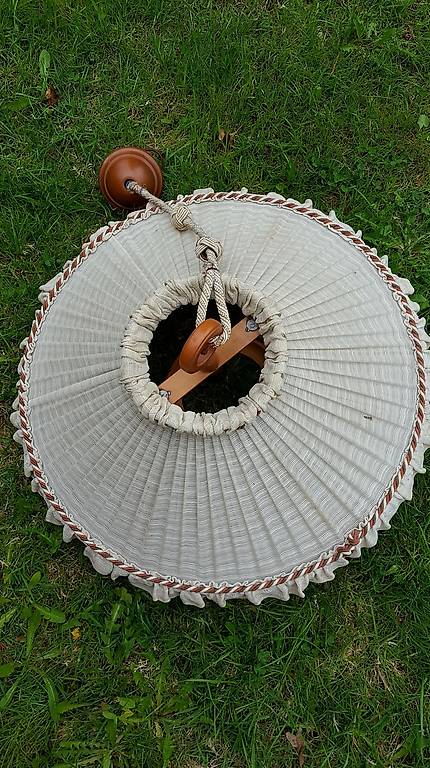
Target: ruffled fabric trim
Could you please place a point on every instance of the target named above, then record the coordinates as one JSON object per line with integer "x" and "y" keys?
{"x": 146, "y": 395}
{"x": 297, "y": 586}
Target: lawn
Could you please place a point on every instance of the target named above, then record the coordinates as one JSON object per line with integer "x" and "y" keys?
{"x": 329, "y": 100}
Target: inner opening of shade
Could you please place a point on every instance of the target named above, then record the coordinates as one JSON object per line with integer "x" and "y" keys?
{"x": 221, "y": 389}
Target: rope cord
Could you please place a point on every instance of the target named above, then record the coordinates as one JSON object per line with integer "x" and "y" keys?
{"x": 208, "y": 250}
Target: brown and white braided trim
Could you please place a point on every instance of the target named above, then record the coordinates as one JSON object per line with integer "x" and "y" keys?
{"x": 356, "y": 537}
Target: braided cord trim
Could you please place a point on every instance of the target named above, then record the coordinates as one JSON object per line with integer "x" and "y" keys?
{"x": 356, "y": 535}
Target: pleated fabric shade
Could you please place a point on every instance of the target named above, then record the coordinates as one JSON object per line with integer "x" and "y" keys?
{"x": 257, "y": 500}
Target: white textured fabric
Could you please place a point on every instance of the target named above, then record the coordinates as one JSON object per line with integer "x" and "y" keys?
{"x": 258, "y": 500}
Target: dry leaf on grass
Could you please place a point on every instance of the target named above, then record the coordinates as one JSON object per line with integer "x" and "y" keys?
{"x": 51, "y": 96}
{"x": 226, "y": 137}
{"x": 76, "y": 633}
{"x": 298, "y": 745}
{"x": 408, "y": 34}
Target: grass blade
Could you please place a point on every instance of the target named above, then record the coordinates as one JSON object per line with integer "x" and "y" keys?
{"x": 33, "y": 624}
{"x": 7, "y": 698}
{"x": 5, "y": 617}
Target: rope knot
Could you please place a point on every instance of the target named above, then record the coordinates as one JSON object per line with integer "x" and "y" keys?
{"x": 181, "y": 217}
{"x": 208, "y": 250}
{"x": 205, "y": 246}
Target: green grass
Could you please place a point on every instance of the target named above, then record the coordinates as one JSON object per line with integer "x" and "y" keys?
{"x": 324, "y": 100}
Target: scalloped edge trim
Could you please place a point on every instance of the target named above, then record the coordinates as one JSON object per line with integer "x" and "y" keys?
{"x": 365, "y": 535}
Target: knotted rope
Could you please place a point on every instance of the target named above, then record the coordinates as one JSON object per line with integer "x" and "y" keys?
{"x": 208, "y": 250}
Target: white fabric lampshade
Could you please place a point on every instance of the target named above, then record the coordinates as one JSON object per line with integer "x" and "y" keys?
{"x": 252, "y": 502}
